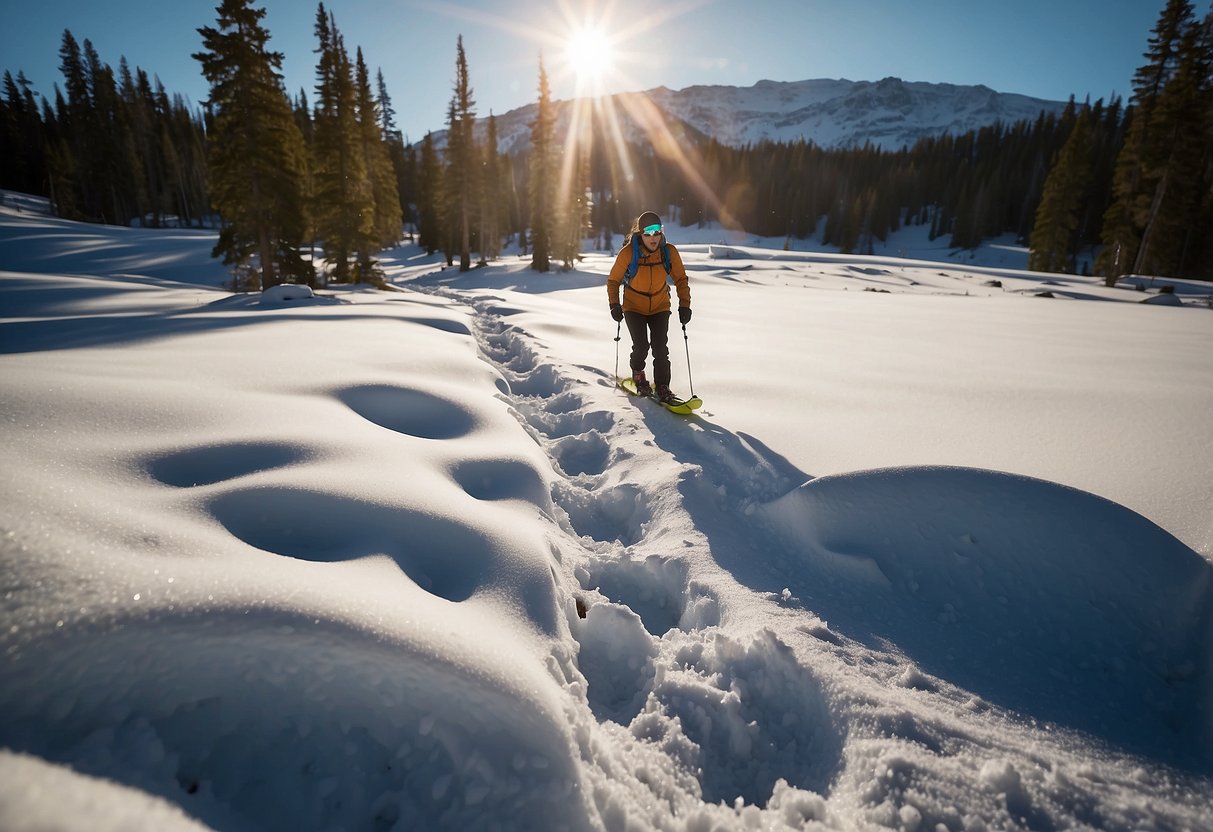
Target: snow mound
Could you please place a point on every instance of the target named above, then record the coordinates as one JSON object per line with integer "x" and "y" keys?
{"x": 285, "y": 293}
{"x": 370, "y": 723}
{"x": 1164, "y": 299}
{"x": 36, "y": 796}
{"x": 1042, "y": 597}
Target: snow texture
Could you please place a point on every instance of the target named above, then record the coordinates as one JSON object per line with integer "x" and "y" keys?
{"x": 933, "y": 556}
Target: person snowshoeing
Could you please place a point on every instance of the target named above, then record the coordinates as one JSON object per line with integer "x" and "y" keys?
{"x": 641, "y": 270}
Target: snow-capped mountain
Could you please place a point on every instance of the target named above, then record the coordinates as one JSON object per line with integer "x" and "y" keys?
{"x": 831, "y": 113}
{"x": 889, "y": 113}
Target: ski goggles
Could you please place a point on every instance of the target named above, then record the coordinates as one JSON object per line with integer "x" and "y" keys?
{"x": 651, "y": 230}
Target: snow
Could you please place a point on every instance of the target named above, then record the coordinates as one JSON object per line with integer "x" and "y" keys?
{"x": 830, "y": 113}
{"x": 838, "y": 113}
{"x": 935, "y": 555}
{"x": 285, "y": 293}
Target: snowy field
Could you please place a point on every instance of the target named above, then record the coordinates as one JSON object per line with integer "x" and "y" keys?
{"x": 935, "y": 554}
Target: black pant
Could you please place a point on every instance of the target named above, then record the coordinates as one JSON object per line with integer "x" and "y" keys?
{"x": 650, "y": 331}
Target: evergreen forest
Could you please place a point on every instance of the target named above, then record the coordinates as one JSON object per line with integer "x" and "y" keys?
{"x": 284, "y": 177}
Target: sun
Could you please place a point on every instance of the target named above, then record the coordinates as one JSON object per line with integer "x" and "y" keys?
{"x": 590, "y": 54}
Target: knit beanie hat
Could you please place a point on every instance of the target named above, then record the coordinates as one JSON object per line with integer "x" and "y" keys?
{"x": 648, "y": 218}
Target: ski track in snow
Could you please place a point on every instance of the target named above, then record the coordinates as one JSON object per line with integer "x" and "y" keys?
{"x": 635, "y": 590}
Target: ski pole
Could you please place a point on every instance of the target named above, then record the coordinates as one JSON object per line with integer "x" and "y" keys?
{"x": 618, "y": 327}
{"x": 687, "y": 343}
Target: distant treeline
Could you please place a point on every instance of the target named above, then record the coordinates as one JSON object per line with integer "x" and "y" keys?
{"x": 109, "y": 149}
{"x": 279, "y": 176}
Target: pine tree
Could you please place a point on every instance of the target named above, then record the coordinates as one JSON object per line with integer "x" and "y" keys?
{"x": 142, "y": 143}
{"x": 113, "y": 165}
{"x": 490, "y": 197}
{"x": 387, "y": 115}
{"x": 403, "y": 160}
{"x": 190, "y": 182}
{"x": 1199, "y": 250}
{"x": 430, "y": 188}
{"x": 1054, "y": 240}
{"x": 1185, "y": 114}
{"x": 23, "y": 138}
{"x": 1161, "y": 161}
{"x": 543, "y": 176}
{"x": 573, "y": 212}
{"x": 256, "y": 149}
{"x": 463, "y": 162}
{"x": 61, "y": 161}
{"x": 71, "y": 158}
{"x": 378, "y": 165}
{"x": 408, "y": 184}
{"x": 302, "y": 114}
{"x": 343, "y": 201}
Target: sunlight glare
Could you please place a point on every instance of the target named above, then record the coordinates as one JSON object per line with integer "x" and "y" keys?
{"x": 590, "y": 53}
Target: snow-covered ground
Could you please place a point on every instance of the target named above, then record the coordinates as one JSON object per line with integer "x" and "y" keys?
{"x": 935, "y": 554}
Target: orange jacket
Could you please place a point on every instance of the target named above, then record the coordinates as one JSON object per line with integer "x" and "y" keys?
{"x": 648, "y": 292}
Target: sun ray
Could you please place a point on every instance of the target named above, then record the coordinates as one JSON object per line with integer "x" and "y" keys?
{"x": 597, "y": 45}
{"x": 652, "y": 121}
{"x": 622, "y": 153}
{"x": 577, "y": 144}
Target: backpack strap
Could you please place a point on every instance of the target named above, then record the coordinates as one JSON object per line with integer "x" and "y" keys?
{"x": 634, "y": 265}
{"x": 630, "y": 271}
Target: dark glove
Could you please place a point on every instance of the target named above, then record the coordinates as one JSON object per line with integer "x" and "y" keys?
{"x": 616, "y": 311}
{"x": 684, "y": 315}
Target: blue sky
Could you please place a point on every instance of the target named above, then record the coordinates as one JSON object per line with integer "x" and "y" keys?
{"x": 1044, "y": 48}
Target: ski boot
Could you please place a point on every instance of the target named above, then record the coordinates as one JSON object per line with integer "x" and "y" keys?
{"x": 642, "y": 384}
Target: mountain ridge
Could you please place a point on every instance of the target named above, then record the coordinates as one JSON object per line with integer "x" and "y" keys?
{"x": 831, "y": 113}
